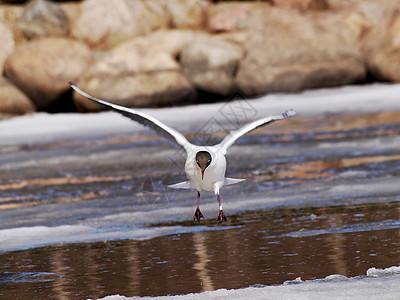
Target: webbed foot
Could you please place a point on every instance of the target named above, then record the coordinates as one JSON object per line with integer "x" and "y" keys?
{"x": 198, "y": 215}
{"x": 221, "y": 217}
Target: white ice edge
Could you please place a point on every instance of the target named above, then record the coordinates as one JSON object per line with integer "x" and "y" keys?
{"x": 39, "y": 236}
{"x": 42, "y": 127}
{"x": 377, "y": 284}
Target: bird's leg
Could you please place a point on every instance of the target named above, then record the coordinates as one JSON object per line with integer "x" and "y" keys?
{"x": 221, "y": 217}
{"x": 197, "y": 214}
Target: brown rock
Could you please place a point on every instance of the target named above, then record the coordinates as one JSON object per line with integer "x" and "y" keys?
{"x": 302, "y": 5}
{"x": 104, "y": 24}
{"x": 211, "y": 64}
{"x": 141, "y": 54}
{"x": 43, "y": 18}
{"x": 7, "y": 44}
{"x": 380, "y": 42}
{"x": 158, "y": 88}
{"x": 288, "y": 52}
{"x": 141, "y": 72}
{"x": 44, "y": 78}
{"x": 12, "y": 100}
{"x": 187, "y": 14}
{"x": 9, "y": 15}
{"x": 229, "y": 16}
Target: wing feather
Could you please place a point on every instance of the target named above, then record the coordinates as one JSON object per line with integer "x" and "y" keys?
{"x": 234, "y": 135}
{"x": 144, "y": 119}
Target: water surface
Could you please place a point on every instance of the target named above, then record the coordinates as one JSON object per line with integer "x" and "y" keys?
{"x": 321, "y": 197}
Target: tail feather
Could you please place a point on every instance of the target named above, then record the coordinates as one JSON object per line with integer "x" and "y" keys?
{"x": 181, "y": 185}
{"x": 229, "y": 181}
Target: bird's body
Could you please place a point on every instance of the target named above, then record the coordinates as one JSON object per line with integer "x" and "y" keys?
{"x": 205, "y": 166}
{"x": 214, "y": 174}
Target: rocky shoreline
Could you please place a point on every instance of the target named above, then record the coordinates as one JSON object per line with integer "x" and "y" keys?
{"x": 152, "y": 53}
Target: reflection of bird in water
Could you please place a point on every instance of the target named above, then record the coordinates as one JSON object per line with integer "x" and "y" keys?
{"x": 205, "y": 165}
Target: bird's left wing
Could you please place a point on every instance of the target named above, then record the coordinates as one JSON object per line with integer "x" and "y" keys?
{"x": 146, "y": 120}
{"x": 234, "y": 135}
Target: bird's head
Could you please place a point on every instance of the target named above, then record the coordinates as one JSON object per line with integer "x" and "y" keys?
{"x": 203, "y": 160}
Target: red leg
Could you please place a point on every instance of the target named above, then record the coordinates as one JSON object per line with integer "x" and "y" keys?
{"x": 197, "y": 214}
{"x": 221, "y": 217}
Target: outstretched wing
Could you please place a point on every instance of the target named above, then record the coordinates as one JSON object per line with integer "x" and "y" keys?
{"x": 146, "y": 120}
{"x": 234, "y": 135}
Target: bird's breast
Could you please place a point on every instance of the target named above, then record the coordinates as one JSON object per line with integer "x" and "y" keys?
{"x": 213, "y": 174}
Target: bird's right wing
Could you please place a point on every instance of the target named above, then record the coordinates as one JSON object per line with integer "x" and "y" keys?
{"x": 234, "y": 135}
{"x": 146, "y": 120}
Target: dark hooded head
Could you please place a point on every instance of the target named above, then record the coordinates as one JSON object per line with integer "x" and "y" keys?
{"x": 203, "y": 160}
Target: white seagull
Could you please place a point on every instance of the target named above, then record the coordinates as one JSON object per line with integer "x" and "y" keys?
{"x": 205, "y": 165}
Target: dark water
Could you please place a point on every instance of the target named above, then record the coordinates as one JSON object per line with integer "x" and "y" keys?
{"x": 267, "y": 247}
{"x": 330, "y": 204}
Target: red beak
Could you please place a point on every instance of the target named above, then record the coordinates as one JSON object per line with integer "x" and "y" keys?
{"x": 202, "y": 174}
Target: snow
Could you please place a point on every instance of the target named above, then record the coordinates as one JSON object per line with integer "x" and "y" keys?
{"x": 377, "y": 284}
{"x": 44, "y": 127}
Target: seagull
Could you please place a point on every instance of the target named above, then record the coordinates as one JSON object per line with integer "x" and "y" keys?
{"x": 205, "y": 166}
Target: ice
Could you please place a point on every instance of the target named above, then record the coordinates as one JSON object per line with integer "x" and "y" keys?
{"x": 377, "y": 284}
{"x": 37, "y": 236}
{"x": 373, "y": 272}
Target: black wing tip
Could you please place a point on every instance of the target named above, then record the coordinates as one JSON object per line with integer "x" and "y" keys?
{"x": 289, "y": 113}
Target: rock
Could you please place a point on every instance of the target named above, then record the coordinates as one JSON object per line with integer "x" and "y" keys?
{"x": 7, "y": 44}
{"x": 289, "y": 52}
{"x": 187, "y": 14}
{"x": 211, "y": 64}
{"x": 379, "y": 41}
{"x": 9, "y": 15}
{"x": 43, "y": 18}
{"x": 302, "y": 5}
{"x": 12, "y": 100}
{"x": 149, "y": 89}
{"x": 228, "y": 16}
{"x": 44, "y": 78}
{"x": 174, "y": 41}
{"x": 122, "y": 73}
{"x": 138, "y": 55}
{"x": 103, "y": 24}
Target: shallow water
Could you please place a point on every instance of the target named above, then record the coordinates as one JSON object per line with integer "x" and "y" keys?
{"x": 265, "y": 247}
{"x": 321, "y": 197}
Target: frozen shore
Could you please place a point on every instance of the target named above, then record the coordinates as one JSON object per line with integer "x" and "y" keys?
{"x": 377, "y": 284}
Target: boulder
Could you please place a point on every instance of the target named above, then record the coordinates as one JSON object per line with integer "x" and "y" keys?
{"x": 43, "y": 18}
{"x": 103, "y": 24}
{"x": 289, "y": 52}
{"x": 9, "y": 15}
{"x": 187, "y": 14}
{"x": 302, "y": 5}
{"x": 45, "y": 78}
{"x": 7, "y": 44}
{"x": 137, "y": 55}
{"x": 211, "y": 64}
{"x": 146, "y": 89}
{"x": 12, "y": 100}
{"x": 229, "y": 16}
{"x": 141, "y": 72}
{"x": 380, "y": 42}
